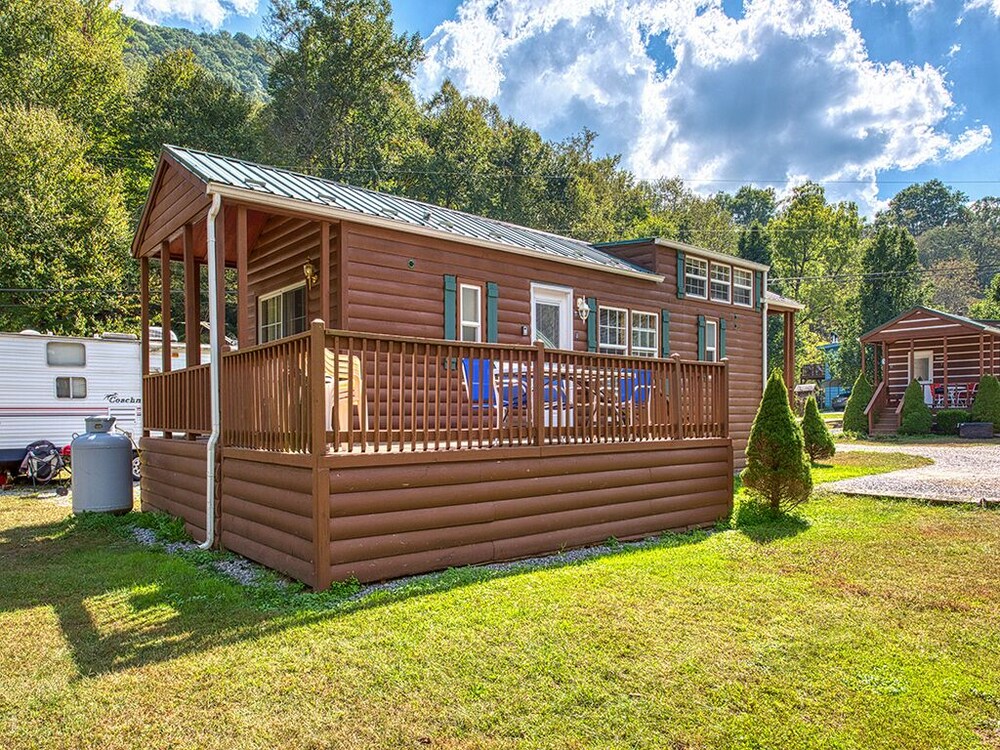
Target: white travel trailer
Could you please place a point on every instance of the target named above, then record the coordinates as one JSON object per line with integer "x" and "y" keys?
{"x": 49, "y": 384}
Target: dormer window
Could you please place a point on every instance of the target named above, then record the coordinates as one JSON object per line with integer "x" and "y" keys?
{"x": 696, "y": 278}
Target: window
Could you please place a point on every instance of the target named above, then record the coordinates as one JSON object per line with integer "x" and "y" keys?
{"x": 65, "y": 354}
{"x": 612, "y": 328}
{"x": 743, "y": 287}
{"x": 471, "y": 313}
{"x": 711, "y": 340}
{"x": 281, "y": 314}
{"x": 71, "y": 387}
{"x": 551, "y": 316}
{"x": 695, "y": 277}
{"x": 644, "y": 334}
{"x": 721, "y": 283}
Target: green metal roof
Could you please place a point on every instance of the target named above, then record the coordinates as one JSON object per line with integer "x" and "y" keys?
{"x": 283, "y": 183}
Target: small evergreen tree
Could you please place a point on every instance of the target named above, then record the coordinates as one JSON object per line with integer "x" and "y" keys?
{"x": 855, "y": 419}
{"x": 816, "y": 435}
{"x": 777, "y": 468}
{"x": 986, "y": 407}
{"x": 916, "y": 416}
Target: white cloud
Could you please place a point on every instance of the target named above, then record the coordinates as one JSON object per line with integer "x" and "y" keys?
{"x": 208, "y": 12}
{"x": 993, "y": 6}
{"x": 786, "y": 91}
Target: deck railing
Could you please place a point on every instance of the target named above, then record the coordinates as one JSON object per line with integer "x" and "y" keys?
{"x": 382, "y": 394}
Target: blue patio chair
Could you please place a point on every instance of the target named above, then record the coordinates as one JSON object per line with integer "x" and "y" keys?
{"x": 485, "y": 390}
{"x": 635, "y": 389}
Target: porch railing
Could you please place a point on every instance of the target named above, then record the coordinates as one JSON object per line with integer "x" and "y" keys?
{"x": 382, "y": 394}
{"x": 177, "y": 401}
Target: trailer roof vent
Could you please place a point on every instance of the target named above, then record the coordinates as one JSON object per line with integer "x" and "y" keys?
{"x": 119, "y": 336}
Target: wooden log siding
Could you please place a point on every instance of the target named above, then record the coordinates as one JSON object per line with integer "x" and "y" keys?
{"x": 173, "y": 480}
{"x": 394, "y": 281}
{"x": 388, "y": 520}
{"x": 964, "y": 360}
{"x": 267, "y": 515}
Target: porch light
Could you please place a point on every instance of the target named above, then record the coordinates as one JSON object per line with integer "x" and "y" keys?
{"x": 309, "y": 271}
{"x": 582, "y": 308}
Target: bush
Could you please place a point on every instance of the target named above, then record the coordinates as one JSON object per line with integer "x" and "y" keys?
{"x": 815, "y": 434}
{"x": 855, "y": 419}
{"x": 986, "y": 407}
{"x": 916, "y": 416}
{"x": 777, "y": 469}
{"x": 948, "y": 420}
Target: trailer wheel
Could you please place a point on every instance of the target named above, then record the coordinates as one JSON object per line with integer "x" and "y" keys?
{"x": 136, "y": 465}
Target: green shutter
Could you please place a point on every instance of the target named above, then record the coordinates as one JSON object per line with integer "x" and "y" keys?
{"x": 680, "y": 274}
{"x": 722, "y": 338}
{"x": 592, "y": 324}
{"x": 701, "y": 338}
{"x": 450, "y": 307}
{"x": 759, "y": 286}
{"x": 492, "y": 324}
{"x": 664, "y": 333}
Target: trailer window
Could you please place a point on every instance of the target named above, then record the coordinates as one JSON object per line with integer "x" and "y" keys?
{"x": 71, "y": 388}
{"x": 65, "y": 354}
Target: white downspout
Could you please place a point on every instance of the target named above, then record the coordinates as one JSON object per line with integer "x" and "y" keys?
{"x": 763, "y": 296}
{"x": 213, "y": 374}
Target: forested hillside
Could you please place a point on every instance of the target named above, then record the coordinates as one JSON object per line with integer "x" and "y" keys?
{"x": 87, "y": 98}
{"x": 238, "y": 59}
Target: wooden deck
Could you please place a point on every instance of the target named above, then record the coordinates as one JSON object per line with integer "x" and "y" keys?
{"x": 357, "y": 455}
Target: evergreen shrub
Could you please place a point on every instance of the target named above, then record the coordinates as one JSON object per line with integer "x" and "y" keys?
{"x": 948, "y": 420}
{"x": 986, "y": 407}
{"x": 815, "y": 434}
{"x": 855, "y": 419}
{"x": 915, "y": 417}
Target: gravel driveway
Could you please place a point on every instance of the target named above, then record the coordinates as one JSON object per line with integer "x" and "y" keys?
{"x": 967, "y": 473}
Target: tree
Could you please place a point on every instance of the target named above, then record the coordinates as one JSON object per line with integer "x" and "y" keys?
{"x": 692, "y": 218}
{"x": 777, "y": 468}
{"x": 750, "y": 205}
{"x": 754, "y": 244}
{"x": 65, "y": 231}
{"x": 816, "y": 435}
{"x": 815, "y": 255}
{"x": 986, "y": 407}
{"x": 855, "y": 419}
{"x": 178, "y": 101}
{"x": 67, "y": 56}
{"x": 341, "y": 103}
{"x": 891, "y": 281}
{"x": 915, "y": 417}
{"x": 988, "y": 308}
{"x": 918, "y": 208}
{"x": 954, "y": 286}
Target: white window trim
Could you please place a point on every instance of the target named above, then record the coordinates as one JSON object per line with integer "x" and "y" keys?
{"x": 729, "y": 284}
{"x": 271, "y": 295}
{"x": 623, "y": 350}
{"x": 749, "y": 303}
{"x": 688, "y": 259}
{"x": 560, "y": 295}
{"x": 462, "y": 322}
{"x": 927, "y": 354}
{"x": 713, "y": 340}
{"x": 654, "y": 350}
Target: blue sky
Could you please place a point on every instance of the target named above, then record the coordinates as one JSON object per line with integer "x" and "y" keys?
{"x": 865, "y": 96}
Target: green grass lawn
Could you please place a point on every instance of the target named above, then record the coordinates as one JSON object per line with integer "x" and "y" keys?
{"x": 856, "y": 623}
{"x": 850, "y": 464}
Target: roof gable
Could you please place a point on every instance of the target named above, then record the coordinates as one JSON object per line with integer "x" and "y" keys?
{"x": 925, "y": 322}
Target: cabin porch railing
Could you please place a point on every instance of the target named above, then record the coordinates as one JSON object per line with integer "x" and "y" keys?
{"x": 388, "y": 394}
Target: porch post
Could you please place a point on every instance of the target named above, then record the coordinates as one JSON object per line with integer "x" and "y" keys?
{"x": 244, "y": 334}
{"x": 144, "y": 325}
{"x": 982, "y": 354}
{"x": 165, "y": 304}
{"x": 910, "y": 373}
{"x": 945, "y": 376}
{"x": 863, "y": 347}
{"x": 790, "y": 354}
{"x": 324, "y": 272}
{"x": 192, "y": 301}
{"x": 317, "y": 448}
{"x": 220, "y": 283}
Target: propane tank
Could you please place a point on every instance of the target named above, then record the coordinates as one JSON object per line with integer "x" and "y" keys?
{"x": 102, "y": 469}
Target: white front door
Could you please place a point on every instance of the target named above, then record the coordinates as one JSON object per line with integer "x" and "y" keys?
{"x": 552, "y": 316}
{"x": 923, "y": 372}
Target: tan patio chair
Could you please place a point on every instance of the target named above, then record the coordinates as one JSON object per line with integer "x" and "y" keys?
{"x": 349, "y": 389}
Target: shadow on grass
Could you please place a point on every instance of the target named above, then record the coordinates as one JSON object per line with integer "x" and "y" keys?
{"x": 121, "y": 605}
{"x": 761, "y": 524}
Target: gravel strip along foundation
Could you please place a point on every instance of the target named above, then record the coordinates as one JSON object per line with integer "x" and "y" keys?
{"x": 961, "y": 473}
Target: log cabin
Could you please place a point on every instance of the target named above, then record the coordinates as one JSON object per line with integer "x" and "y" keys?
{"x": 416, "y": 388}
{"x": 946, "y": 353}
